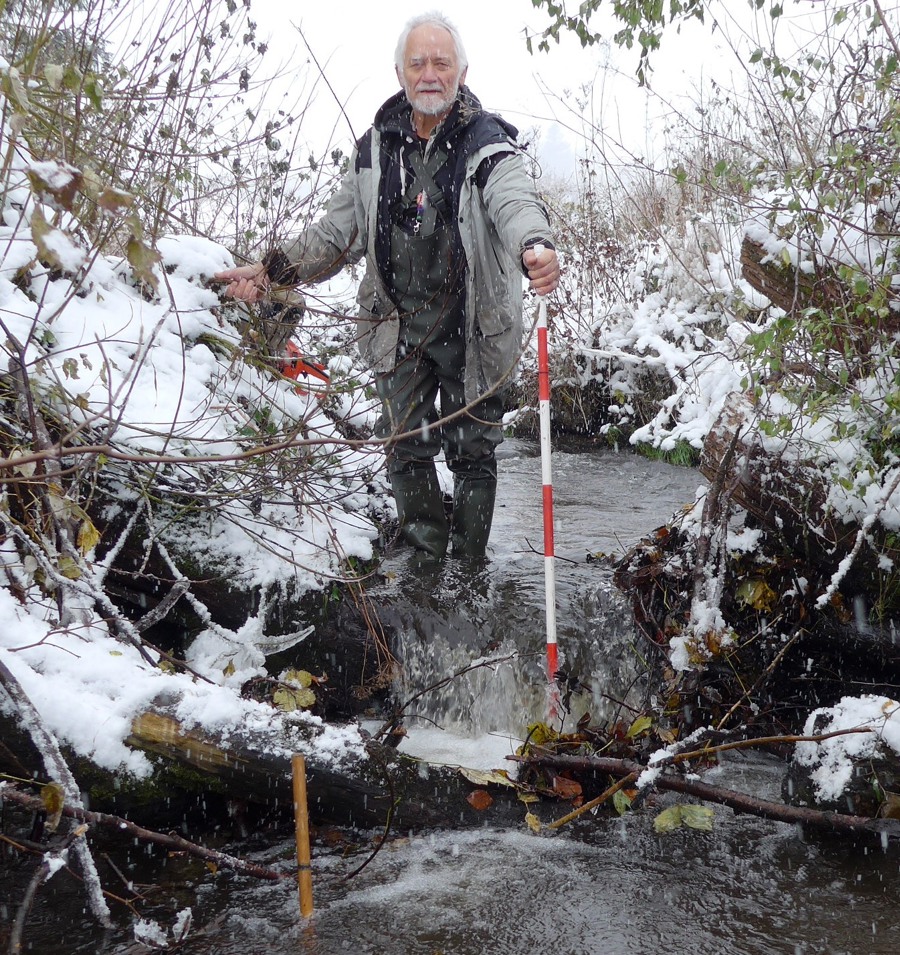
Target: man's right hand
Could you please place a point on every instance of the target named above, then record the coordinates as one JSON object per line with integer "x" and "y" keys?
{"x": 249, "y": 283}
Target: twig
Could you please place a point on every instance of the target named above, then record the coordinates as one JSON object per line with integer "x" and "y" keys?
{"x": 151, "y": 617}
{"x": 770, "y": 669}
{"x": 593, "y": 803}
{"x": 43, "y": 872}
{"x": 57, "y": 768}
{"x": 740, "y": 802}
{"x": 387, "y": 822}
{"x": 169, "y": 840}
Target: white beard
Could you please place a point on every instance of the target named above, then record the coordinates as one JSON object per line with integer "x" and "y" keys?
{"x": 433, "y": 104}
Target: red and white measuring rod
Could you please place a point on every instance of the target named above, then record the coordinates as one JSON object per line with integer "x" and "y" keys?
{"x": 547, "y": 480}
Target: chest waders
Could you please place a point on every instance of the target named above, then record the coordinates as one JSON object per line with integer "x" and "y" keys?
{"x": 431, "y": 354}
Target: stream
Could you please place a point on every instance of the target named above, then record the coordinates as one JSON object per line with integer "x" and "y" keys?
{"x": 601, "y": 884}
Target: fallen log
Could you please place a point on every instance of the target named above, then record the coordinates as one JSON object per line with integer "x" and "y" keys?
{"x": 786, "y": 287}
{"x": 793, "y": 290}
{"x": 367, "y": 793}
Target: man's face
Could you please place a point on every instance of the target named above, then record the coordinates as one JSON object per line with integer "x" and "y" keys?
{"x": 430, "y": 75}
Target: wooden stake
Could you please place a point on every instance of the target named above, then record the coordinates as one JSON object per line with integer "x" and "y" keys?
{"x": 301, "y": 821}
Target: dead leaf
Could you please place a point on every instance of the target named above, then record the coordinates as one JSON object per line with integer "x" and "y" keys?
{"x": 890, "y": 808}
{"x": 566, "y": 788}
{"x": 534, "y": 824}
{"x": 479, "y": 777}
{"x": 53, "y": 799}
{"x": 59, "y": 183}
{"x": 480, "y": 799}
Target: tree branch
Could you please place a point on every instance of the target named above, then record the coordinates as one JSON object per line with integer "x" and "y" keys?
{"x": 169, "y": 840}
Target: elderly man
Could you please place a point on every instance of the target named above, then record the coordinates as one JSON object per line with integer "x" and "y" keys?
{"x": 438, "y": 201}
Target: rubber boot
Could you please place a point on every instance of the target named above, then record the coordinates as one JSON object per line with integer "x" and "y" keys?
{"x": 420, "y": 508}
{"x": 473, "y": 513}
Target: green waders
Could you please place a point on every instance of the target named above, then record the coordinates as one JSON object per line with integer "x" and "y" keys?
{"x": 430, "y": 365}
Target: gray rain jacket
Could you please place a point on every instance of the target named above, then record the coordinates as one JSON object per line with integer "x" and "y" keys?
{"x": 497, "y": 218}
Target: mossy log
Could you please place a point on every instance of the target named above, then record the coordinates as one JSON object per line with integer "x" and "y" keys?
{"x": 787, "y": 287}
{"x": 366, "y": 793}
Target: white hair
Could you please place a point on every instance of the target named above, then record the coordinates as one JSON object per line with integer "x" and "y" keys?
{"x": 437, "y": 19}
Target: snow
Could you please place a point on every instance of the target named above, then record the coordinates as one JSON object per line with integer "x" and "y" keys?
{"x": 832, "y": 759}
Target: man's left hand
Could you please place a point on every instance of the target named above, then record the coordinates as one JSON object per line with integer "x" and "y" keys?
{"x": 543, "y": 269}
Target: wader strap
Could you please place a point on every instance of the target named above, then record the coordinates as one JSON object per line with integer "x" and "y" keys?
{"x": 436, "y": 203}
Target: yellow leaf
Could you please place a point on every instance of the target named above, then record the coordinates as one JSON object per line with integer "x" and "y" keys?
{"x": 28, "y": 468}
{"x": 697, "y": 817}
{"x": 284, "y": 699}
{"x": 640, "y": 725}
{"x": 539, "y": 734}
{"x": 53, "y": 799}
{"x": 288, "y": 699}
{"x": 668, "y": 820}
{"x": 480, "y": 777}
{"x": 53, "y": 73}
{"x": 621, "y": 802}
{"x": 300, "y": 677}
{"x": 756, "y": 594}
{"x": 69, "y": 568}
{"x": 230, "y": 669}
{"x": 142, "y": 260}
{"x": 88, "y": 537}
{"x": 534, "y": 824}
{"x": 41, "y": 231}
{"x": 11, "y": 84}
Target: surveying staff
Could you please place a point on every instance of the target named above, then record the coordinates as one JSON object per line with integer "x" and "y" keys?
{"x": 438, "y": 201}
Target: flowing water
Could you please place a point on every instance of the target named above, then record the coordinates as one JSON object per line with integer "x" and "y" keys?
{"x": 748, "y": 887}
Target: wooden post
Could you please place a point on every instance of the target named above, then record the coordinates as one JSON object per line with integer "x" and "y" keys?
{"x": 301, "y": 825}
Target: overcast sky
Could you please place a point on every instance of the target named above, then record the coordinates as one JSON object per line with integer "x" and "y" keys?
{"x": 354, "y": 41}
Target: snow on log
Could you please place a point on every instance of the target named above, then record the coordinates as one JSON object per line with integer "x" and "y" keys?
{"x": 369, "y": 792}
